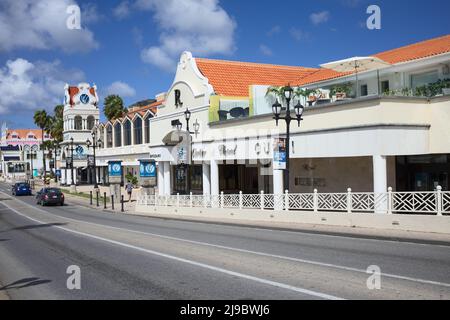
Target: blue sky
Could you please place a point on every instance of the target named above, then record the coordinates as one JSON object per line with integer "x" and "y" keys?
{"x": 131, "y": 46}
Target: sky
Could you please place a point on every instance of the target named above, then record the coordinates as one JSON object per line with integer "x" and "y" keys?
{"x": 131, "y": 47}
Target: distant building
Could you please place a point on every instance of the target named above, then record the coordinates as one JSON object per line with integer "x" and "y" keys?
{"x": 20, "y": 153}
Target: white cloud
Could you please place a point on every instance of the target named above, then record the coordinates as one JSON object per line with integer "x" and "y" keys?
{"x": 27, "y": 86}
{"x": 319, "y": 17}
{"x": 122, "y": 10}
{"x": 120, "y": 88}
{"x": 298, "y": 34}
{"x": 275, "y": 30}
{"x": 265, "y": 50}
{"x": 41, "y": 24}
{"x": 200, "y": 26}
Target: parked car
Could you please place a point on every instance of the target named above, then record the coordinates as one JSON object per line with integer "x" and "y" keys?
{"x": 50, "y": 196}
{"x": 21, "y": 189}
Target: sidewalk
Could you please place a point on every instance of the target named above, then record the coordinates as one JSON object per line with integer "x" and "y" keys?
{"x": 82, "y": 201}
{"x": 356, "y": 232}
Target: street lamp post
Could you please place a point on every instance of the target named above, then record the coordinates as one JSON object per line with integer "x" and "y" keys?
{"x": 94, "y": 144}
{"x": 54, "y": 163}
{"x": 187, "y": 117}
{"x": 71, "y": 162}
{"x": 276, "y": 109}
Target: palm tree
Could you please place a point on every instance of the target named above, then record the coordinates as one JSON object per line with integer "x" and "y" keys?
{"x": 277, "y": 92}
{"x": 113, "y": 107}
{"x": 56, "y": 125}
{"x": 42, "y": 120}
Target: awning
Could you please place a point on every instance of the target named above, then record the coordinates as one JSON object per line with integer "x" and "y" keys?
{"x": 11, "y": 158}
{"x": 174, "y": 137}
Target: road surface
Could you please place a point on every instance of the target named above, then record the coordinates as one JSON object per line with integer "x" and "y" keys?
{"x": 131, "y": 257}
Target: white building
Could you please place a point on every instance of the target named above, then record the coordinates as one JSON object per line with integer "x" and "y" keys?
{"x": 385, "y": 133}
{"x": 81, "y": 116}
{"x": 20, "y": 153}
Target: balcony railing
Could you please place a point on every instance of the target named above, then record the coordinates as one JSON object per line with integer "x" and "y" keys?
{"x": 426, "y": 203}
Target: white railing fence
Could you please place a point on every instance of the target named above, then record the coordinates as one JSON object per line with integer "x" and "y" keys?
{"x": 430, "y": 203}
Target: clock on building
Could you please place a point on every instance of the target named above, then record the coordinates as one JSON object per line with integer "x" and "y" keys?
{"x": 84, "y": 98}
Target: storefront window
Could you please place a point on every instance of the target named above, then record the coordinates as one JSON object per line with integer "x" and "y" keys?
{"x": 127, "y": 132}
{"x": 423, "y": 172}
{"x": 138, "y": 131}
{"x": 109, "y": 139}
{"x": 118, "y": 134}
{"x": 147, "y": 129}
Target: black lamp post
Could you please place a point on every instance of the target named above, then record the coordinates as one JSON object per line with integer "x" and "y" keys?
{"x": 276, "y": 109}
{"x": 31, "y": 153}
{"x": 71, "y": 162}
{"x": 179, "y": 125}
{"x": 54, "y": 165}
{"x": 94, "y": 144}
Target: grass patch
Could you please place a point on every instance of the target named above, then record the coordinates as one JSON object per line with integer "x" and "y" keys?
{"x": 86, "y": 195}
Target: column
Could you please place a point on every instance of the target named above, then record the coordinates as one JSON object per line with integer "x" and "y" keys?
{"x": 379, "y": 181}
{"x": 214, "y": 177}
{"x": 167, "y": 180}
{"x": 278, "y": 189}
{"x": 206, "y": 179}
{"x": 161, "y": 178}
{"x": 278, "y": 182}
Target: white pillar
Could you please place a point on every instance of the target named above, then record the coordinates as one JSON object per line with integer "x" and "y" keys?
{"x": 278, "y": 182}
{"x": 380, "y": 181}
{"x": 278, "y": 189}
{"x": 167, "y": 180}
{"x": 214, "y": 177}
{"x": 379, "y": 174}
{"x": 206, "y": 179}
{"x": 161, "y": 178}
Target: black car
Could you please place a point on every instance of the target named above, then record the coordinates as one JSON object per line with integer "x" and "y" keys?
{"x": 50, "y": 196}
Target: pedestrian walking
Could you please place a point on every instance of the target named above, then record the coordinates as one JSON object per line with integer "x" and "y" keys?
{"x": 129, "y": 188}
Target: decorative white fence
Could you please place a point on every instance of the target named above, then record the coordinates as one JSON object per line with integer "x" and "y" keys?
{"x": 430, "y": 203}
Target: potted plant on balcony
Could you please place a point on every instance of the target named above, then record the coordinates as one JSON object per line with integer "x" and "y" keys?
{"x": 309, "y": 94}
{"x": 341, "y": 91}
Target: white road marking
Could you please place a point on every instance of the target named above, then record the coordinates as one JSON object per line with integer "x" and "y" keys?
{"x": 191, "y": 262}
{"x": 317, "y": 263}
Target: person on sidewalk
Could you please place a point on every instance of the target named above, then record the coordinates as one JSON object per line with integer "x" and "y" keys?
{"x": 129, "y": 188}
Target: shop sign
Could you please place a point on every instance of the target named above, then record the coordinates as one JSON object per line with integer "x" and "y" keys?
{"x": 279, "y": 153}
{"x": 225, "y": 151}
{"x": 90, "y": 161}
{"x": 147, "y": 172}
{"x": 115, "y": 168}
{"x": 147, "y": 169}
{"x": 183, "y": 151}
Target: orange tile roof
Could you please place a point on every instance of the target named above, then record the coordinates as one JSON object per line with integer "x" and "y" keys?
{"x": 411, "y": 52}
{"x": 418, "y": 50}
{"x": 142, "y": 110}
{"x": 23, "y": 133}
{"x": 233, "y": 78}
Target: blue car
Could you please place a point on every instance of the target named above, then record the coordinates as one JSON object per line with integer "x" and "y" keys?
{"x": 21, "y": 189}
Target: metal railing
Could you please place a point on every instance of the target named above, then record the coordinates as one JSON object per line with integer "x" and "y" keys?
{"x": 429, "y": 203}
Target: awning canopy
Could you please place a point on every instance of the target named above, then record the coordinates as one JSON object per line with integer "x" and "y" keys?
{"x": 174, "y": 137}
{"x": 11, "y": 158}
{"x": 358, "y": 64}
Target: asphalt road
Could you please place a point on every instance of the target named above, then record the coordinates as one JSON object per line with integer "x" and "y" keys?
{"x": 132, "y": 257}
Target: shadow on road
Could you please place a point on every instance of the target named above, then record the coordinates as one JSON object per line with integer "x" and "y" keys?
{"x": 35, "y": 226}
{"x": 23, "y": 283}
